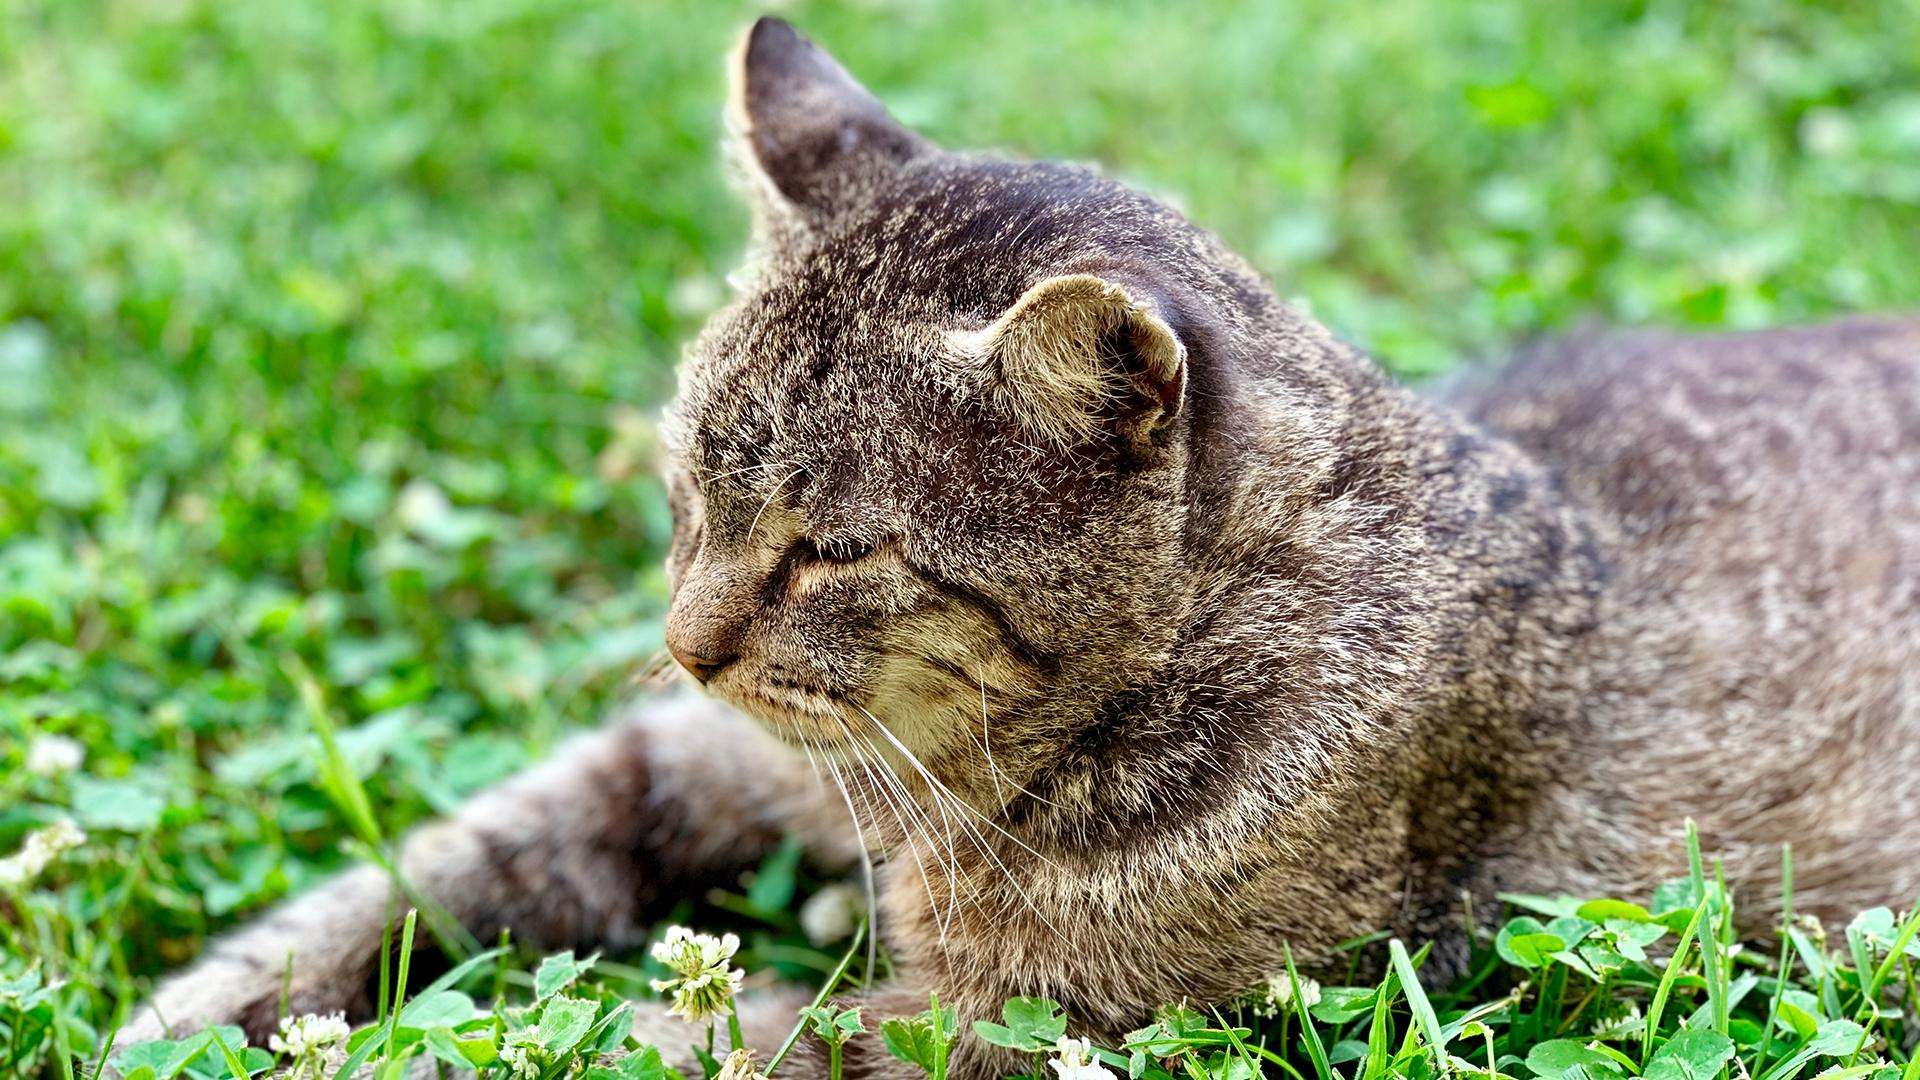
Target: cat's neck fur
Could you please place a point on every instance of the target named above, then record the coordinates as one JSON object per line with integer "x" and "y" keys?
{"x": 1396, "y": 576}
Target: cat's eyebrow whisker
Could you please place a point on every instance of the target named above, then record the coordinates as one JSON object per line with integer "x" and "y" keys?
{"x": 771, "y": 495}
{"x": 762, "y": 467}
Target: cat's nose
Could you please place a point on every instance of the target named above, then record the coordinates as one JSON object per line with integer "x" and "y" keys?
{"x": 700, "y": 667}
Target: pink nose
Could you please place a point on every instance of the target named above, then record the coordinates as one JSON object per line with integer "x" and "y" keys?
{"x": 700, "y": 667}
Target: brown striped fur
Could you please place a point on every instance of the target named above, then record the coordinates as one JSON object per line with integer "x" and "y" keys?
{"x": 1149, "y": 628}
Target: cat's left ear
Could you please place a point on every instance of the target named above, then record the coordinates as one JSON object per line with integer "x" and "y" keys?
{"x": 1077, "y": 355}
{"x": 808, "y": 136}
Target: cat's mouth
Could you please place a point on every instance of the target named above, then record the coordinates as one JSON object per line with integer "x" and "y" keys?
{"x": 794, "y": 712}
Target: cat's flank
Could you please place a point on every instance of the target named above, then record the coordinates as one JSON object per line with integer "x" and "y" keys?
{"x": 1148, "y": 629}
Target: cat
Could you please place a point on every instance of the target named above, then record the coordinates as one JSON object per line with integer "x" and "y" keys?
{"x": 1145, "y": 629}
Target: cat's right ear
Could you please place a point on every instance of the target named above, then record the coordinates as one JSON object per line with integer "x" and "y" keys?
{"x": 1078, "y": 354}
{"x": 808, "y": 137}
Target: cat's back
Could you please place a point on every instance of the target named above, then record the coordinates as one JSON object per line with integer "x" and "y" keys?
{"x": 1810, "y": 436}
{"x": 1757, "y": 497}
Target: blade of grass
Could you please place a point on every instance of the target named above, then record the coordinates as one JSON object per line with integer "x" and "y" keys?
{"x": 826, "y": 989}
{"x": 1316, "y": 1050}
{"x": 386, "y": 959}
{"x": 1710, "y": 950}
{"x": 1674, "y": 964}
{"x": 336, "y": 775}
{"x": 939, "y": 1037}
{"x": 1870, "y": 995}
{"x": 1790, "y": 1065}
{"x": 1417, "y": 1001}
{"x": 351, "y": 1066}
{"x": 62, "y": 1048}
{"x": 100, "y": 1058}
{"x": 400, "y": 983}
{"x": 235, "y": 1067}
{"x": 1900, "y": 943}
{"x": 1248, "y": 1053}
{"x": 1786, "y": 954}
{"x": 460, "y": 971}
{"x": 1380, "y": 1029}
{"x": 349, "y": 797}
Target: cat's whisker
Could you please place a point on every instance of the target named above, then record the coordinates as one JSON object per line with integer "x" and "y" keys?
{"x": 652, "y": 675}
{"x": 940, "y": 792}
{"x": 866, "y": 851}
{"x": 986, "y": 747}
{"x": 906, "y": 833}
{"x": 906, "y": 799}
{"x": 771, "y": 495}
{"x": 947, "y": 821}
{"x": 994, "y": 771}
{"x": 877, "y": 763}
{"x": 983, "y": 741}
{"x": 920, "y": 768}
{"x": 876, "y": 797}
{"x": 952, "y": 865}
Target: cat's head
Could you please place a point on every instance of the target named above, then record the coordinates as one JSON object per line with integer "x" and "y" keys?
{"x": 936, "y": 463}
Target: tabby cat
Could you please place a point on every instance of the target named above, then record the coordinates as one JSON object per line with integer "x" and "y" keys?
{"x": 1142, "y": 628}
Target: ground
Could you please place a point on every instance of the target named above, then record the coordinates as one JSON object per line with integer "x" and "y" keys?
{"x": 330, "y": 332}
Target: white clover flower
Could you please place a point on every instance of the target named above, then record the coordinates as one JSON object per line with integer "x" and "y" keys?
{"x": 54, "y": 755}
{"x": 41, "y": 848}
{"x": 1074, "y": 1060}
{"x": 739, "y": 1066}
{"x": 314, "y": 1043}
{"x": 828, "y": 915}
{"x": 420, "y": 505}
{"x": 1275, "y": 996}
{"x": 521, "y": 1059}
{"x": 1813, "y": 926}
{"x": 704, "y": 982}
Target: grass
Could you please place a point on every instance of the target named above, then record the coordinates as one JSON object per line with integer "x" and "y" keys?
{"x": 329, "y": 331}
{"x": 1602, "y": 990}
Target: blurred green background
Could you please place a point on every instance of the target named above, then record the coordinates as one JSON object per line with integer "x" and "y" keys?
{"x": 330, "y": 330}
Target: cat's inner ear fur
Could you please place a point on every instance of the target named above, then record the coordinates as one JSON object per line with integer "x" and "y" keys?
{"x": 809, "y": 138}
{"x": 1079, "y": 354}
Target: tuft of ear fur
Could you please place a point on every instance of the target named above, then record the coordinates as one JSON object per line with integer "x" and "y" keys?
{"x": 1078, "y": 354}
{"x": 808, "y": 136}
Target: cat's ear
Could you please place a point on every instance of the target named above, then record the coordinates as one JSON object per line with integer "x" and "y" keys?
{"x": 1079, "y": 354}
{"x": 808, "y": 137}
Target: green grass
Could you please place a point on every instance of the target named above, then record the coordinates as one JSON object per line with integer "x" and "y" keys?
{"x": 329, "y": 331}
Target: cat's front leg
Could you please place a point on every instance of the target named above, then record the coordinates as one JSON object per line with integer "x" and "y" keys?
{"x": 582, "y": 850}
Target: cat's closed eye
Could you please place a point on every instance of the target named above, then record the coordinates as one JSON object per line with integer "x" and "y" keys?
{"x": 839, "y": 552}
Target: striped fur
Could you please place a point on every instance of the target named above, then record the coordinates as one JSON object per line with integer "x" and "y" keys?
{"x": 1147, "y": 628}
